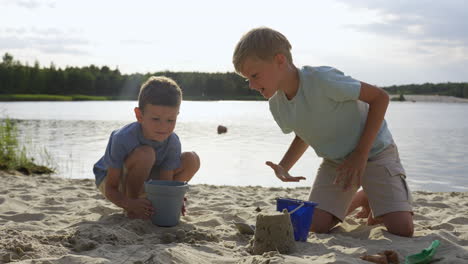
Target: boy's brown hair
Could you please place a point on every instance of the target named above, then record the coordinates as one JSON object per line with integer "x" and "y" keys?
{"x": 260, "y": 43}
{"x": 159, "y": 90}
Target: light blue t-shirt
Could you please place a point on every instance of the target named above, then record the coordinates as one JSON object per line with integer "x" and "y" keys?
{"x": 124, "y": 140}
{"x": 326, "y": 113}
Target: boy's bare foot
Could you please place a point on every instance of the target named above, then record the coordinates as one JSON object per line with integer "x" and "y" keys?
{"x": 373, "y": 221}
{"x": 132, "y": 215}
{"x": 364, "y": 213}
{"x": 183, "y": 206}
{"x": 360, "y": 200}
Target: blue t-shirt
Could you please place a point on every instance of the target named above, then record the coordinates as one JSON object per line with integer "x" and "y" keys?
{"x": 326, "y": 113}
{"x": 124, "y": 140}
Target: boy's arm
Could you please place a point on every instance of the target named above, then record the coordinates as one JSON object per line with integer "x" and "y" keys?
{"x": 294, "y": 153}
{"x": 141, "y": 208}
{"x": 353, "y": 166}
{"x": 378, "y": 101}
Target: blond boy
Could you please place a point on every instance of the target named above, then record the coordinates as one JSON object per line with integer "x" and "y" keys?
{"x": 342, "y": 119}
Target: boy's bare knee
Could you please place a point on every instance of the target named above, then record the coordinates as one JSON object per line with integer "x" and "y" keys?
{"x": 322, "y": 228}
{"x": 190, "y": 166}
{"x": 142, "y": 154}
{"x": 323, "y": 221}
{"x": 399, "y": 223}
{"x": 191, "y": 159}
{"x": 144, "y": 150}
{"x": 404, "y": 230}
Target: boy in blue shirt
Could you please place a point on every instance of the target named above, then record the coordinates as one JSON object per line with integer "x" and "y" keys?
{"x": 342, "y": 119}
{"x": 146, "y": 149}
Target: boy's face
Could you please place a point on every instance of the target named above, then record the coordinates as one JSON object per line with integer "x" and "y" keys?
{"x": 264, "y": 76}
{"x": 157, "y": 121}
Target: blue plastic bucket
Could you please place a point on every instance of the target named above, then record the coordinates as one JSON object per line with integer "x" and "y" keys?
{"x": 167, "y": 198}
{"x": 301, "y": 219}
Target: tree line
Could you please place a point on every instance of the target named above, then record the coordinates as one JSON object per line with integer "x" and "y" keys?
{"x": 18, "y": 78}
{"x": 449, "y": 88}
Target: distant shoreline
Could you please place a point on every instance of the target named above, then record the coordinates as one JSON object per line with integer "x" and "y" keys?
{"x": 68, "y": 98}
{"x": 45, "y": 97}
{"x": 431, "y": 98}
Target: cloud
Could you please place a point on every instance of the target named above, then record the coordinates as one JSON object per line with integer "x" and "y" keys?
{"x": 141, "y": 42}
{"x": 47, "y": 40}
{"x": 433, "y": 22}
{"x": 31, "y": 4}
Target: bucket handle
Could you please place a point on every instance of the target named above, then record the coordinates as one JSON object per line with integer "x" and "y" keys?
{"x": 297, "y": 208}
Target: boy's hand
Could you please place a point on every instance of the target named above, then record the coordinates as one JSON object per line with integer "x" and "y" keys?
{"x": 282, "y": 174}
{"x": 183, "y": 210}
{"x": 140, "y": 208}
{"x": 351, "y": 170}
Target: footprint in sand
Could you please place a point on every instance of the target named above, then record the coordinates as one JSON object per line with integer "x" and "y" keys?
{"x": 25, "y": 217}
{"x": 26, "y": 197}
{"x": 102, "y": 210}
{"x": 210, "y": 222}
{"x": 443, "y": 226}
{"x": 459, "y": 220}
{"x": 69, "y": 188}
{"x": 53, "y": 201}
{"x": 52, "y": 209}
{"x": 72, "y": 200}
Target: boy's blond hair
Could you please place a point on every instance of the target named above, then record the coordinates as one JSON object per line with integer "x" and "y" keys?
{"x": 260, "y": 43}
{"x": 159, "y": 90}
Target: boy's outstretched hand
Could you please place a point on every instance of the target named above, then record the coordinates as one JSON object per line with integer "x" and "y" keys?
{"x": 351, "y": 170}
{"x": 282, "y": 174}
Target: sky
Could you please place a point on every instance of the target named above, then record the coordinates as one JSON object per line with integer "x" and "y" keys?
{"x": 379, "y": 42}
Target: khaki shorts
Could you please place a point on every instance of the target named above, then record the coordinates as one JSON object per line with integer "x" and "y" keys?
{"x": 384, "y": 182}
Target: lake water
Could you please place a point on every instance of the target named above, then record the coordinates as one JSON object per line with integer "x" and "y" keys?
{"x": 432, "y": 139}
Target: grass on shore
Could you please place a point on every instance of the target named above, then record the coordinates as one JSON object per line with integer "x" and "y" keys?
{"x": 13, "y": 156}
{"x": 400, "y": 98}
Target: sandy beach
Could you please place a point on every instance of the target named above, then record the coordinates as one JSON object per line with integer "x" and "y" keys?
{"x": 46, "y": 219}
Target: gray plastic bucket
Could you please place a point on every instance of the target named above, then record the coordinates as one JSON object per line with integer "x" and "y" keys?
{"x": 167, "y": 198}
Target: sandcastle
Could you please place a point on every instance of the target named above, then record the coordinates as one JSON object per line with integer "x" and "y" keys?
{"x": 273, "y": 232}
